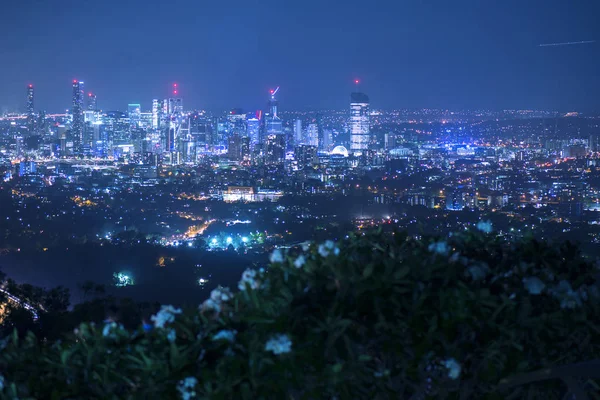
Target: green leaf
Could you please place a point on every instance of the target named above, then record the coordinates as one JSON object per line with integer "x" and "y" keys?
{"x": 368, "y": 271}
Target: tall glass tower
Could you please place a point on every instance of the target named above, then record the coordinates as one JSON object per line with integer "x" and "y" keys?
{"x": 92, "y": 104}
{"x": 359, "y": 122}
{"x": 273, "y": 124}
{"x": 77, "y": 112}
{"x": 30, "y": 114}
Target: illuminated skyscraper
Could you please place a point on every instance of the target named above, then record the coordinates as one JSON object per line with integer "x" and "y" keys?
{"x": 298, "y": 137}
{"x": 30, "y": 114}
{"x": 134, "y": 111}
{"x": 174, "y": 106}
{"x": 274, "y": 125}
{"x": 76, "y": 137}
{"x": 312, "y": 134}
{"x": 275, "y": 153}
{"x": 155, "y": 113}
{"x": 253, "y": 129}
{"x": 91, "y": 102}
{"x": 359, "y": 122}
{"x": 234, "y": 147}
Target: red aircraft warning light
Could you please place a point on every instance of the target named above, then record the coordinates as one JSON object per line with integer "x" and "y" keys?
{"x": 357, "y": 81}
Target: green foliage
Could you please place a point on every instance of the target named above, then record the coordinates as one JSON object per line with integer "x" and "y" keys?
{"x": 385, "y": 316}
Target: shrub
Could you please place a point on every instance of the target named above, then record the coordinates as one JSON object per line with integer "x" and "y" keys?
{"x": 380, "y": 316}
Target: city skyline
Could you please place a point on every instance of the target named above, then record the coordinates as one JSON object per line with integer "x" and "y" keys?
{"x": 226, "y": 55}
{"x": 90, "y": 102}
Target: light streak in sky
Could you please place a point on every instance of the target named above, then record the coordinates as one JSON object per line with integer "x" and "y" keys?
{"x": 567, "y": 43}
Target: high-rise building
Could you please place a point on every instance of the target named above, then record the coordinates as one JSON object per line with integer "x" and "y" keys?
{"x": 359, "y": 122}
{"x": 253, "y": 129}
{"x": 30, "y": 113}
{"x": 312, "y": 134}
{"x": 245, "y": 148}
{"x": 92, "y": 104}
{"x": 155, "y": 113}
{"x": 305, "y": 155}
{"x": 298, "y": 137}
{"x": 236, "y": 122}
{"x": 273, "y": 103}
{"x": 76, "y": 136}
{"x": 275, "y": 153}
{"x": 174, "y": 105}
{"x": 134, "y": 112}
{"x": 234, "y": 147}
{"x": 326, "y": 140}
{"x": 273, "y": 124}
{"x": 594, "y": 143}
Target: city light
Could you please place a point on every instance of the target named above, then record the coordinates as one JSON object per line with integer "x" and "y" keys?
{"x": 229, "y": 240}
{"x": 244, "y": 239}
{"x": 122, "y": 279}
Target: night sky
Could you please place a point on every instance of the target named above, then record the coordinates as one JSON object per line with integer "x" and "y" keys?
{"x": 225, "y": 54}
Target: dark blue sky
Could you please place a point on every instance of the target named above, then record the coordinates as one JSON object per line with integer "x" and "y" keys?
{"x": 225, "y": 54}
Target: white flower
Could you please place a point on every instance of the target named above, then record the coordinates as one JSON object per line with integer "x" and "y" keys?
{"x": 453, "y": 368}
{"x": 276, "y": 256}
{"x": 534, "y": 285}
{"x": 485, "y": 226}
{"x": 221, "y": 294}
{"x": 279, "y": 344}
{"x": 478, "y": 271}
{"x": 567, "y": 296}
{"x": 189, "y": 382}
{"x": 305, "y": 246}
{"x": 327, "y": 248}
{"x": 225, "y": 334}
{"x": 440, "y": 247}
{"x": 172, "y": 335}
{"x": 108, "y": 327}
{"x": 186, "y": 388}
{"x": 300, "y": 261}
{"x": 249, "y": 277}
{"x": 455, "y": 257}
{"x": 165, "y": 315}
{"x": 218, "y": 296}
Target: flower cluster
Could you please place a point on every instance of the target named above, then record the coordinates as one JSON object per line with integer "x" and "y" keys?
{"x": 165, "y": 315}
{"x": 440, "y": 247}
{"x": 249, "y": 277}
{"x": 276, "y": 256}
{"x": 567, "y": 296}
{"x": 453, "y": 367}
{"x": 533, "y": 285}
{"x": 108, "y": 327}
{"x": 279, "y": 344}
{"x": 225, "y": 334}
{"x": 484, "y": 226}
{"x": 218, "y": 297}
{"x": 300, "y": 261}
{"x": 478, "y": 271}
{"x": 172, "y": 335}
{"x": 327, "y": 248}
{"x": 186, "y": 388}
